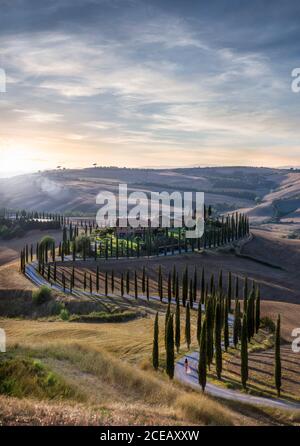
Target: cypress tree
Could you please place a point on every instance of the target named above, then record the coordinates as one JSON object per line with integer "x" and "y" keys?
{"x": 244, "y": 352}
{"x": 155, "y": 350}
{"x": 54, "y": 272}
{"x": 202, "y": 367}
{"x": 218, "y": 340}
{"x": 112, "y": 281}
{"x": 147, "y": 288}
{"x": 127, "y": 283}
{"x": 174, "y": 275}
{"x": 220, "y": 284}
{"x": 209, "y": 330}
{"x": 202, "y": 286}
{"x": 191, "y": 298}
{"x": 250, "y": 315}
{"x": 188, "y": 326}
{"x": 199, "y": 317}
{"x": 170, "y": 348}
{"x": 64, "y": 281}
{"x": 245, "y": 294}
{"x": 277, "y": 371}
{"x": 97, "y": 279}
{"x": 236, "y": 287}
{"x": 169, "y": 288}
{"x": 177, "y": 327}
{"x": 236, "y": 324}
{"x": 135, "y": 285}
{"x": 143, "y": 281}
{"x": 106, "y": 284}
{"x": 226, "y": 328}
{"x": 257, "y": 310}
{"x": 195, "y": 285}
{"x": 229, "y": 290}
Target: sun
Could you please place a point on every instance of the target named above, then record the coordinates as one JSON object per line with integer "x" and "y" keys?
{"x": 17, "y": 158}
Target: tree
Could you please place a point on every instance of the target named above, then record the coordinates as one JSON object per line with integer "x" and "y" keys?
{"x": 236, "y": 324}
{"x": 147, "y": 288}
{"x": 257, "y": 310}
{"x": 177, "y": 326}
{"x": 188, "y": 326}
{"x": 277, "y": 370}
{"x": 97, "y": 279}
{"x": 229, "y": 290}
{"x": 167, "y": 315}
{"x": 245, "y": 294}
{"x": 170, "y": 356}
{"x": 112, "y": 281}
{"x": 202, "y": 367}
{"x": 169, "y": 288}
{"x": 218, "y": 340}
{"x": 135, "y": 285}
{"x": 202, "y": 286}
{"x": 195, "y": 285}
{"x": 199, "y": 317}
{"x": 244, "y": 352}
{"x": 226, "y": 328}
{"x": 106, "y": 283}
{"x": 143, "y": 281}
{"x": 155, "y": 350}
{"x": 209, "y": 330}
{"x": 236, "y": 287}
{"x": 250, "y": 315}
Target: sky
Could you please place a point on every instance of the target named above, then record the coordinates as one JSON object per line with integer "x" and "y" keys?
{"x": 154, "y": 83}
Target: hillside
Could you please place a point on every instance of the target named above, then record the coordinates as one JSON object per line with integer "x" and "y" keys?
{"x": 227, "y": 188}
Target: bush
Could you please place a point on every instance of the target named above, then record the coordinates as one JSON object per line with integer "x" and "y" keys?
{"x": 64, "y": 314}
{"x": 267, "y": 323}
{"x": 42, "y": 295}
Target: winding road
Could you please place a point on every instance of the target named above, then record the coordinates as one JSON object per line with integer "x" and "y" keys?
{"x": 190, "y": 379}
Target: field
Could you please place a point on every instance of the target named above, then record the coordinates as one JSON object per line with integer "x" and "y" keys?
{"x": 81, "y": 360}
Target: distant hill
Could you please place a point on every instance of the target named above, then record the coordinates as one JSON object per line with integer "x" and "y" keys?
{"x": 264, "y": 193}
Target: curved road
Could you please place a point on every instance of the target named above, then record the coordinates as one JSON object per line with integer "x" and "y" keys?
{"x": 190, "y": 379}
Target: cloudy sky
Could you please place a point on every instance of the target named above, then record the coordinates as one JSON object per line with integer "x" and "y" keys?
{"x": 159, "y": 83}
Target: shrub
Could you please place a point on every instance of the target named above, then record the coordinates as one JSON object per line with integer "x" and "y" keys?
{"x": 267, "y": 323}
{"x": 42, "y": 295}
{"x": 64, "y": 314}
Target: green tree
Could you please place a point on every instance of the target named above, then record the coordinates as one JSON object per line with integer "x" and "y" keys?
{"x": 199, "y": 317}
{"x": 209, "y": 330}
{"x": 202, "y": 364}
{"x": 170, "y": 356}
{"x": 277, "y": 371}
{"x": 218, "y": 340}
{"x": 257, "y": 310}
{"x": 226, "y": 328}
{"x": 155, "y": 350}
{"x": 177, "y": 326}
{"x": 245, "y": 294}
{"x": 188, "y": 326}
{"x": 244, "y": 352}
{"x": 135, "y": 285}
{"x": 236, "y": 324}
